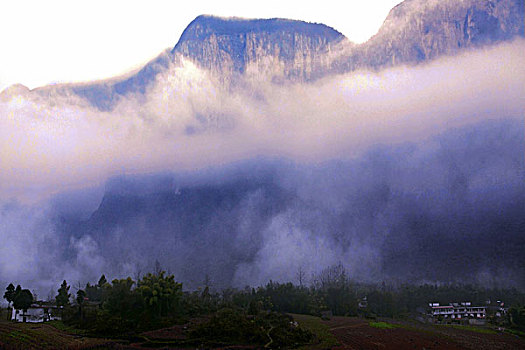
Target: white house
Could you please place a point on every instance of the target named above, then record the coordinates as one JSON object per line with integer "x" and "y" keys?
{"x": 36, "y": 313}
{"x": 458, "y": 311}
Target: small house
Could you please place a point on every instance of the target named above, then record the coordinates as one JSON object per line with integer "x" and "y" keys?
{"x": 36, "y": 313}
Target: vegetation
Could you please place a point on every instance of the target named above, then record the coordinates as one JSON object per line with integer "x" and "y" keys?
{"x": 62, "y": 298}
{"x": 45, "y": 336}
{"x": 23, "y": 299}
{"x": 516, "y": 318}
{"x": 9, "y": 294}
{"x": 472, "y": 328}
{"x": 322, "y": 337}
{"x": 125, "y": 308}
{"x": 382, "y": 325}
{"x": 231, "y": 326}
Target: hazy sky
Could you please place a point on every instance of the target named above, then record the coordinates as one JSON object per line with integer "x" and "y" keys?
{"x": 51, "y": 41}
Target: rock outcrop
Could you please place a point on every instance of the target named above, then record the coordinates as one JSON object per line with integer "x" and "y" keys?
{"x": 293, "y": 50}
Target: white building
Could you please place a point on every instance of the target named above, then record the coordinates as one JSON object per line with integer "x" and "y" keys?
{"x": 458, "y": 311}
{"x": 36, "y": 313}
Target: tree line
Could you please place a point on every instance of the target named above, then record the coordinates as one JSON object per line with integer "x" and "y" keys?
{"x": 157, "y": 300}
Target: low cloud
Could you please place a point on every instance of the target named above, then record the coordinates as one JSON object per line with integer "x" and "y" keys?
{"x": 189, "y": 120}
{"x": 367, "y": 160}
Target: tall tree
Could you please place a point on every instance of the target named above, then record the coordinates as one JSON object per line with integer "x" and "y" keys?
{"x": 62, "y": 298}
{"x": 81, "y": 295}
{"x": 17, "y": 290}
{"x": 161, "y": 293}
{"x": 23, "y": 300}
{"x": 9, "y": 294}
{"x": 301, "y": 276}
{"x": 95, "y": 292}
{"x": 102, "y": 281}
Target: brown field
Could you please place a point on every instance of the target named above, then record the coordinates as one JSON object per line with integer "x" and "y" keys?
{"x": 336, "y": 333}
{"x": 354, "y": 333}
{"x": 15, "y": 336}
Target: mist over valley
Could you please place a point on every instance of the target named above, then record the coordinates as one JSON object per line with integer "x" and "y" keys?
{"x": 257, "y": 148}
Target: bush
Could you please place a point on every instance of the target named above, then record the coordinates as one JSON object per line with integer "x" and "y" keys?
{"x": 230, "y": 326}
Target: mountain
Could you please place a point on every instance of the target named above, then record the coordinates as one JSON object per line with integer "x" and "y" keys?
{"x": 291, "y": 49}
{"x": 285, "y": 50}
{"x": 420, "y": 30}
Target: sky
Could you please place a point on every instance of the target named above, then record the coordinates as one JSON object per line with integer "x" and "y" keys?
{"x": 56, "y": 41}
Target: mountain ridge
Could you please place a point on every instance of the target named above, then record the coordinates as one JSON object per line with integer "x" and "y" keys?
{"x": 229, "y": 46}
{"x": 418, "y": 30}
{"x": 284, "y": 50}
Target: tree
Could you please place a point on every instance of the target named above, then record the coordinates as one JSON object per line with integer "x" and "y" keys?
{"x": 122, "y": 302}
{"x": 9, "y": 294}
{"x": 102, "y": 281}
{"x": 95, "y": 292}
{"x": 81, "y": 295}
{"x": 17, "y": 290}
{"x": 301, "y": 276}
{"x": 23, "y": 300}
{"x": 516, "y": 316}
{"x": 62, "y": 298}
{"x": 160, "y": 293}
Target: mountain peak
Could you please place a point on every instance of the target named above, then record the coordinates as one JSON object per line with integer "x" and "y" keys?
{"x": 420, "y": 30}
{"x": 204, "y": 26}
{"x": 236, "y": 45}
{"x": 13, "y": 90}
{"x": 283, "y": 50}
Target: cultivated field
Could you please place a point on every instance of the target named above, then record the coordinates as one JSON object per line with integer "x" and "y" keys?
{"x": 354, "y": 333}
{"x": 336, "y": 333}
{"x": 15, "y": 336}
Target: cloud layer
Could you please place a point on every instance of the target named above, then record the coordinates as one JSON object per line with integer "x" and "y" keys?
{"x": 189, "y": 121}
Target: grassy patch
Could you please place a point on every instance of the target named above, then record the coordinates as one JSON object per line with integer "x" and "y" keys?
{"x": 471, "y": 328}
{"x": 68, "y": 329}
{"x": 515, "y": 332}
{"x": 45, "y": 336}
{"x": 383, "y": 325}
{"x": 324, "y": 338}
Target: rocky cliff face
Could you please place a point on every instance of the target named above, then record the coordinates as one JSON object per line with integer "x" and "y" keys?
{"x": 285, "y": 50}
{"x": 414, "y": 31}
{"x": 420, "y": 30}
{"x": 278, "y": 47}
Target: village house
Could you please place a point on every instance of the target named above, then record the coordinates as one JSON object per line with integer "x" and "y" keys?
{"x": 457, "y": 311}
{"x": 38, "y": 312}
